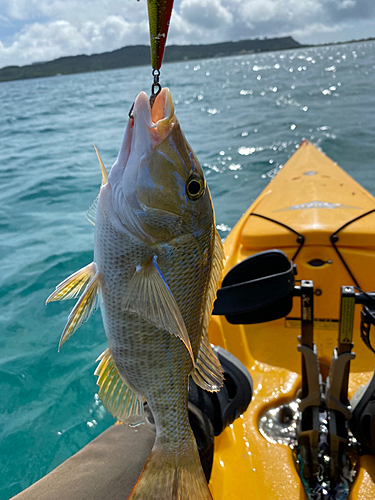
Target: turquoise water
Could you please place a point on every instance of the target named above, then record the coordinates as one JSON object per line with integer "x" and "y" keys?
{"x": 244, "y": 117}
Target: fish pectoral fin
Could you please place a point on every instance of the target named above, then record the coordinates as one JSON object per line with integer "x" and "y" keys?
{"x": 71, "y": 287}
{"x": 149, "y": 296}
{"x": 86, "y": 305}
{"x": 208, "y": 372}
{"x": 115, "y": 394}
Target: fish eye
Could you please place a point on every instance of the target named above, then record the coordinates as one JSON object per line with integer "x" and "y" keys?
{"x": 195, "y": 187}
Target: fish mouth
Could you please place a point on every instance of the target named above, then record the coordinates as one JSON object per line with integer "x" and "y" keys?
{"x": 133, "y": 172}
{"x": 157, "y": 119}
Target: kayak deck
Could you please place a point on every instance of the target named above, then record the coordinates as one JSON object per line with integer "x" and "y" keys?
{"x": 303, "y": 206}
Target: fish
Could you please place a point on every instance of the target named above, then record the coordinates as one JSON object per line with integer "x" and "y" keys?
{"x": 158, "y": 260}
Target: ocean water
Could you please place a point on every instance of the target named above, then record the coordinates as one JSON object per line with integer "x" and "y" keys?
{"x": 244, "y": 117}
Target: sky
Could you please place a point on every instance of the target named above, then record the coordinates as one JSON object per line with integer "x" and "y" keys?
{"x": 41, "y": 30}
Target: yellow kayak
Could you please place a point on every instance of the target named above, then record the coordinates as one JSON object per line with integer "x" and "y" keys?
{"x": 315, "y": 213}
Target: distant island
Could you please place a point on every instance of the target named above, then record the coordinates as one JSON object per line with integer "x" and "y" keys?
{"x": 139, "y": 55}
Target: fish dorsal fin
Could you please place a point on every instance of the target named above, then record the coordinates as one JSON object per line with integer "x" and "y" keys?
{"x": 86, "y": 305}
{"x": 149, "y": 296}
{"x": 208, "y": 373}
{"x": 71, "y": 287}
{"x": 115, "y": 394}
{"x": 104, "y": 170}
{"x": 91, "y": 212}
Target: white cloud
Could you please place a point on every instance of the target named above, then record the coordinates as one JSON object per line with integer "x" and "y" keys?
{"x": 208, "y": 14}
{"x": 4, "y": 21}
{"x": 42, "y": 42}
{"x": 40, "y": 30}
{"x": 256, "y": 12}
{"x": 75, "y": 11}
{"x": 346, "y": 4}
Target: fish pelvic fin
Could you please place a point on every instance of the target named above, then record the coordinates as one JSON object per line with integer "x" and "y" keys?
{"x": 208, "y": 373}
{"x": 149, "y": 296}
{"x": 115, "y": 394}
{"x": 71, "y": 287}
{"x": 172, "y": 475}
{"x": 86, "y": 305}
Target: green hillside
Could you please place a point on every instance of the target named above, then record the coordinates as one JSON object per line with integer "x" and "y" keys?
{"x": 139, "y": 55}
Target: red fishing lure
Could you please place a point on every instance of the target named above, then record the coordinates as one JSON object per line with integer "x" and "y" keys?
{"x": 159, "y": 14}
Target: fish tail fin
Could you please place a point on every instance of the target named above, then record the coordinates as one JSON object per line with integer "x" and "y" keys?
{"x": 172, "y": 475}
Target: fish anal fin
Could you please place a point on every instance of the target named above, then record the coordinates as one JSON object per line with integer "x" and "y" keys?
{"x": 85, "y": 306}
{"x": 149, "y": 296}
{"x": 116, "y": 396}
{"x": 71, "y": 287}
